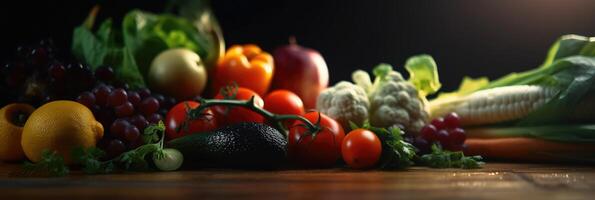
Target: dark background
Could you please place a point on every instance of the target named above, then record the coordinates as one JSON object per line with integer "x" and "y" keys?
{"x": 466, "y": 37}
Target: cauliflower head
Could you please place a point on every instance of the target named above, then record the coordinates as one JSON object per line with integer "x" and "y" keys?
{"x": 394, "y": 101}
{"x": 344, "y": 102}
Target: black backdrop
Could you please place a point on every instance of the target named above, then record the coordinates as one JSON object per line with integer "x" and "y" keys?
{"x": 466, "y": 37}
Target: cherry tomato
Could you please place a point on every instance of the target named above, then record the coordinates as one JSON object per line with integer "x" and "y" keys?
{"x": 361, "y": 149}
{"x": 320, "y": 151}
{"x": 284, "y": 102}
{"x": 177, "y": 116}
{"x": 232, "y": 115}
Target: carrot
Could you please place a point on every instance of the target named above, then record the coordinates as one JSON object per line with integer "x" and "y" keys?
{"x": 529, "y": 149}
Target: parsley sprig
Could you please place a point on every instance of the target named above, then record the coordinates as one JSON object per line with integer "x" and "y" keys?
{"x": 440, "y": 158}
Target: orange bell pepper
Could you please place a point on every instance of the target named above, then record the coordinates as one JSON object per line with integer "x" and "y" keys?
{"x": 248, "y": 66}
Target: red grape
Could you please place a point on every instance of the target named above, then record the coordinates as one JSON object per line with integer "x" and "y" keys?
{"x": 57, "y": 71}
{"x": 118, "y": 127}
{"x": 144, "y": 93}
{"x": 124, "y": 110}
{"x": 134, "y": 97}
{"x": 131, "y": 133}
{"x": 154, "y": 118}
{"x": 101, "y": 94}
{"x": 149, "y": 106}
{"x": 115, "y": 147}
{"x": 429, "y": 132}
{"x": 422, "y": 145}
{"x": 443, "y": 138}
{"x": 452, "y": 120}
{"x": 104, "y": 73}
{"x": 139, "y": 121}
{"x": 438, "y": 123}
{"x": 87, "y": 99}
{"x": 457, "y": 136}
{"x": 117, "y": 97}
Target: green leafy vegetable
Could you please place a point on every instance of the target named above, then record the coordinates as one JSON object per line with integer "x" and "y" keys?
{"x": 143, "y": 35}
{"x": 423, "y": 74}
{"x": 446, "y": 159}
{"x": 51, "y": 164}
{"x": 104, "y": 47}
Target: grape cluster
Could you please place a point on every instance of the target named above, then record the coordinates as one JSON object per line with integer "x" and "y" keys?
{"x": 36, "y": 76}
{"x": 124, "y": 114}
{"x": 445, "y": 131}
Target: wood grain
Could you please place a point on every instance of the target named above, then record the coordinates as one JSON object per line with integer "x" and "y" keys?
{"x": 494, "y": 181}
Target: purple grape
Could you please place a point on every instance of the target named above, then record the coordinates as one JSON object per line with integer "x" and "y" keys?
{"x": 131, "y": 133}
{"x": 149, "y": 106}
{"x": 57, "y": 71}
{"x": 139, "y": 121}
{"x": 115, "y": 147}
{"x": 452, "y": 121}
{"x": 124, "y": 110}
{"x": 443, "y": 138}
{"x": 134, "y": 98}
{"x": 117, "y": 97}
{"x": 39, "y": 56}
{"x": 160, "y": 98}
{"x": 429, "y": 132}
{"x": 144, "y": 93}
{"x": 154, "y": 118}
{"x": 101, "y": 94}
{"x": 438, "y": 123}
{"x": 87, "y": 99}
{"x": 422, "y": 145}
{"x": 457, "y": 136}
{"x": 105, "y": 73}
{"x": 118, "y": 127}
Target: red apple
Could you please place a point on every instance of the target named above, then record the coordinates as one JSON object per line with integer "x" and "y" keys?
{"x": 300, "y": 70}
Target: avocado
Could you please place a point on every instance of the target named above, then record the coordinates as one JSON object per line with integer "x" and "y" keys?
{"x": 243, "y": 145}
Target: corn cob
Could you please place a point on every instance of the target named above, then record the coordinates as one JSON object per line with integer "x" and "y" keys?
{"x": 495, "y": 105}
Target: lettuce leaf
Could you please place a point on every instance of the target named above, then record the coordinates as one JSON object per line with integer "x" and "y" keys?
{"x": 103, "y": 48}
{"x": 423, "y": 74}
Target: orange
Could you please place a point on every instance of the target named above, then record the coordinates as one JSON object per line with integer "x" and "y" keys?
{"x": 12, "y": 119}
{"x": 60, "y": 126}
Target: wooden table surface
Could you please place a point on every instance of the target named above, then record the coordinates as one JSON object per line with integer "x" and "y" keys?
{"x": 494, "y": 181}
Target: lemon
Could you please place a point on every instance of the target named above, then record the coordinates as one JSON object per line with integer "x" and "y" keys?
{"x": 12, "y": 119}
{"x": 60, "y": 126}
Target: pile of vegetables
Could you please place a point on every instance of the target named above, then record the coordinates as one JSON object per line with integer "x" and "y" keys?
{"x": 545, "y": 114}
{"x": 246, "y": 108}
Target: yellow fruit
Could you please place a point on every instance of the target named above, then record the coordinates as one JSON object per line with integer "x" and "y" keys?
{"x": 12, "y": 119}
{"x": 60, "y": 126}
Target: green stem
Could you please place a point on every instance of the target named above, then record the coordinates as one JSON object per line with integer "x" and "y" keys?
{"x": 275, "y": 119}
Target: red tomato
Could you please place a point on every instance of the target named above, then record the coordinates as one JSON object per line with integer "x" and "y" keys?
{"x": 232, "y": 115}
{"x": 321, "y": 151}
{"x": 361, "y": 149}
{"x": 177, "y": 116}
{"x": 284, "y": 102}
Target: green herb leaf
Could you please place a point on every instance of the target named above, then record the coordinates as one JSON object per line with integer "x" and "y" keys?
{"x": 446, "y": 159}
{"x": 89, "y": 159}
{"x": 51, "y": 164}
